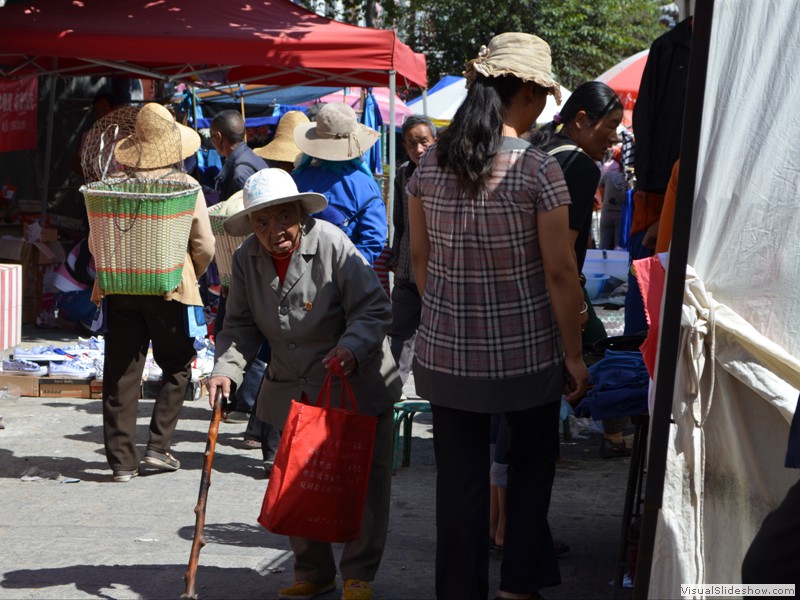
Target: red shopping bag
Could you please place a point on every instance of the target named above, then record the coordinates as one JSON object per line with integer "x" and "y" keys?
{"x": 318, "y": 484}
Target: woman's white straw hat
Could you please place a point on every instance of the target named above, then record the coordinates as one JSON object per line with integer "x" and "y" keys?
{"x": 519, "y": 54}
{"x": 158, "y": 140}
{"x": 266, "y": 188}
{"x": 336, "y": 135}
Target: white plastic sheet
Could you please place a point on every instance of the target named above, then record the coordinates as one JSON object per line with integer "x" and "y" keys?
{"x": 738, "y": 375}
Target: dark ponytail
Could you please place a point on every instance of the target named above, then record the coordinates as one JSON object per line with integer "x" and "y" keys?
{"x": 595, "y": 98}
{"x": 468, "y": 146}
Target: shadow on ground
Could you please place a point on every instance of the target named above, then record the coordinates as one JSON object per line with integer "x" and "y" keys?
{"x": 146, "y": 581}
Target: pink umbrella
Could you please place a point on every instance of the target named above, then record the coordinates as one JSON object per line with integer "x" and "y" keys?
{"x": 625, "y": 78}
{"x": 353, "y": 98}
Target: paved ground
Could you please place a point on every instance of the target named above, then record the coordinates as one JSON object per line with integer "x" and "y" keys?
{"x": 97, "y": 539}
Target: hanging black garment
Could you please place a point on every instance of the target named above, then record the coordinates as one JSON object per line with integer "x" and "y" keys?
{"x": 658, "y": 113}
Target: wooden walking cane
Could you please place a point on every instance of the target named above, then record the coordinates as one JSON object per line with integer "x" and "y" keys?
{"x": 202, "y": 498}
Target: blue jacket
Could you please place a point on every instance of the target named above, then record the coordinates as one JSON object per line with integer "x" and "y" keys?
{"x": 355, "y": 204}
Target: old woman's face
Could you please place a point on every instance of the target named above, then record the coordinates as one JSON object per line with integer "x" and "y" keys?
{"x": 278, "y": 227}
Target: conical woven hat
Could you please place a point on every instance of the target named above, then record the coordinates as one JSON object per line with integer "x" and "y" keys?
{"x": 97, "y": 150}
{"x": 282, "y": 148}
{"x": 158, "y": 141}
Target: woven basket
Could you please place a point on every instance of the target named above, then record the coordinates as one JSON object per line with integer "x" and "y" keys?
{"x": 140, "y": 233}
{"x": 225, "y": 245}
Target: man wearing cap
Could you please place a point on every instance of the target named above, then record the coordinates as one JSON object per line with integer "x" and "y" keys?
{"x": 155, "y": 151}
{"x": 299, "y": 283}
{"x": 332, "y": 165}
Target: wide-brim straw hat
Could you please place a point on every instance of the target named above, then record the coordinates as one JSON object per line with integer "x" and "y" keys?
{"x": 336, "y": 135}
{"x": 266, "y": 188}
{"x": 282, "y": 147}
{"x": 522, "y": 55}
{"x": 158, "y": 141}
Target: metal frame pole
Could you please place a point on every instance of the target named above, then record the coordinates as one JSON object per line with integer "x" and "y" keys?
{"x": 392, "y": 146}
{"x": 48, "y": 149}
{"x": 670, "y": 330}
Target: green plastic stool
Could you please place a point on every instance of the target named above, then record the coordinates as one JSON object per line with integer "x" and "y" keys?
{"x": 404, "y": 412}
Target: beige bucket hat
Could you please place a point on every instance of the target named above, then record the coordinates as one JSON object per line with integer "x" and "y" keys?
{"x": 158, "y": 140}
{"x": 265, "y": 188}
{"x": 336, "y": 135}
{"x": 282, "y": 147}
{"x": 520, "y": 54}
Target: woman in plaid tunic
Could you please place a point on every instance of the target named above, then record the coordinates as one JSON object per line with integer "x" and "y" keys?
{"x": 500, "y": 329}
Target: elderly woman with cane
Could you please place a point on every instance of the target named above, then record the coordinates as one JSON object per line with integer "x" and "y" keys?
{"x": 300, "y": 283}
{"x": 499, "y": 331}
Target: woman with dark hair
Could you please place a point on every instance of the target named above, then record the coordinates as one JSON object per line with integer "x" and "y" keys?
{"x": 499, "y": 329}
{"x": 578, "y": 138}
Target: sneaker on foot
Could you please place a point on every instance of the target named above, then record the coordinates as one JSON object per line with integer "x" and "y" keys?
{"x": 305, "y": 590}
{"x": 356, "y": 589}
{"x": 20, "y": 366}
{"x": 163, "y": 461}
{"x": 121, "y": 476}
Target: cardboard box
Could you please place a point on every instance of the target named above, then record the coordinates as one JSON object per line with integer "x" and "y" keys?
{"x": 13, "y": 230}
{"x": 20, "y": 385}
{"x": 56, "y": 387}
{"x": 96, "y": 388}
{"x": 10, "y": 306}
{"x": 39, "y": 262}
{"x": 14, "y": 250}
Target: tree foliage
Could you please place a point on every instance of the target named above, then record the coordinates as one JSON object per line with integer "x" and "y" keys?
{"x": 586, "y": 37}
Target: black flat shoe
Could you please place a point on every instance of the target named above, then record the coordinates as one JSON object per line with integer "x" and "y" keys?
{"x": 609, "y": 449}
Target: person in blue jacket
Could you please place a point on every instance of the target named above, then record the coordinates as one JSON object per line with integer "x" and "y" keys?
{"x": 332, "y": 165}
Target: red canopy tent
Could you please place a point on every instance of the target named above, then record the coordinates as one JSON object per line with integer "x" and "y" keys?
{"x": 273, "y": 42}
{"x": 231, "y": 41}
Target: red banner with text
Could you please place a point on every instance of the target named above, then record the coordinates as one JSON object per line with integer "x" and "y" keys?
{"x": 18, "y": 108}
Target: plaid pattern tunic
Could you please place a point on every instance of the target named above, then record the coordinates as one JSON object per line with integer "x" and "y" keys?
{"x": 486, "y": 310}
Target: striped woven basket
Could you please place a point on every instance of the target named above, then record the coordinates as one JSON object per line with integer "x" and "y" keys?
{"x": 140, "y": 233}
{"x": 225, "y": 244}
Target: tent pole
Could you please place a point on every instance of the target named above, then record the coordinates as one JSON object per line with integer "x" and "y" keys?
{"x": 194, "y": 107}
{"x": 48, "y": 149}
{"x": 425, "y": 102}
{"x": 392, "y": 149}
{"x": 670, "y": 330}
{"x": 241, "y": 103}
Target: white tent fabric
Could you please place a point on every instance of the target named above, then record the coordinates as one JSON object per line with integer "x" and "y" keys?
{"x": 738, "y": 375}
{"x": 444, "y": 102}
